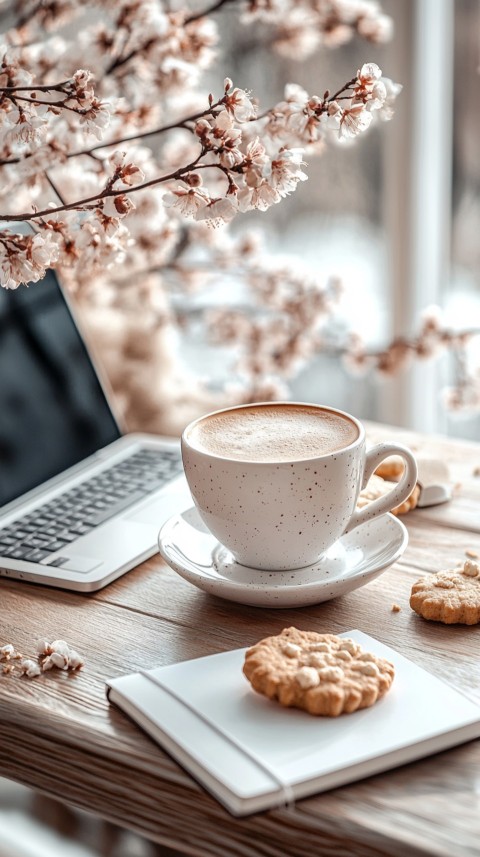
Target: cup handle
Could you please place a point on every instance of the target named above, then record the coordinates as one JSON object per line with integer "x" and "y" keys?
{"x": 394, "y": 497}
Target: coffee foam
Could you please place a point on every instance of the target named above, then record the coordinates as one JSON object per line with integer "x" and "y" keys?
{"x": 273, "y": 433}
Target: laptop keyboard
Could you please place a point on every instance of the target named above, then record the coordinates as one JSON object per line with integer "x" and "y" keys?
{"x": 55, "y": 525}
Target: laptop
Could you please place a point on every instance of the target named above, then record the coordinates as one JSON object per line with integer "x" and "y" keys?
{"x": 80, "y": 503}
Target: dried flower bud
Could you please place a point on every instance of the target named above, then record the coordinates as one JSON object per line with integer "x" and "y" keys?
{"x": 82, "y": 77}
{"x": 193, "y": 179}
{"x": 118, "y": 158}
{"x": 29, "y": 668}
{"x": 75, "y": 661}
{"x": 202, "y": 127}
{"x": 369, "y": 73}
{"x": 121, "y": 206}
{"x": 7, "y": 652}
{"x": 42, "y": 647}
{"x": 132, "y": 175}
{"x": 60, "y": 647}
{"x": 59, "y": 660}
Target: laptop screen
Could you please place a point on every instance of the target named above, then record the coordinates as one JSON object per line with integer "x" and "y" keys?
{"x": 53, "y": 412}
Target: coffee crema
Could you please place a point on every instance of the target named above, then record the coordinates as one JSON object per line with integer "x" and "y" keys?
{"x": 271, "y": 433}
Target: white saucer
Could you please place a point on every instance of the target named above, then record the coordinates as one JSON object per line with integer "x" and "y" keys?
{"x": 190, "y": 549}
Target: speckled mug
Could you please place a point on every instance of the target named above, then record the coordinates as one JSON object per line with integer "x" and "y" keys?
{"x": 286, "y": 514}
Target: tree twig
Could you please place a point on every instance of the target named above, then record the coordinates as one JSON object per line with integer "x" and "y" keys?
{"x": 104, "y": 194}
{"x": 51, "y": 87}
{"x": 59, "y": 104}
{"x": 211, "y": 9}
{"x": 54, "y": 188}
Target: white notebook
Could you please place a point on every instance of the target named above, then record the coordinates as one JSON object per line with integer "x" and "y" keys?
{"x": 253, "y": 754}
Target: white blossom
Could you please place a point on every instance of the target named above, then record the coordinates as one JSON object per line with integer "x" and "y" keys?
{"x": 354, "y": 120}
{"x": 187, "y": 200}
{"x": 369, "y": 73}
{"x": 238, "y": 103}
{"x": 260, "y": 197}
{"x": 24, "y": 125}
{"x": 96, "y": 119}
{"x": 217, "y": 211}
{"x": 285, "y": 171}
{"x": 392, "y": 91}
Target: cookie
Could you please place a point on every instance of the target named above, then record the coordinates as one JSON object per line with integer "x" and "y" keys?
{"x": 377, "y": 487}
{"x": 319, "y": 673}
{"x": 451, "y": 597}
{"x": 391, "y": 468}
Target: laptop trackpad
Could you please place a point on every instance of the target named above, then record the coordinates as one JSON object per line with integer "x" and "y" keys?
{"x": 81, "y": 564}
{"x": 157, "y": 510}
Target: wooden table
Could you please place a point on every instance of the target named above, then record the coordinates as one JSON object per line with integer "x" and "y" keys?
{"x": 59, "y": 735}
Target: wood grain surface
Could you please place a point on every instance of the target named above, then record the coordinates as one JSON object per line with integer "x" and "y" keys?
{"x": 60, "y": 736}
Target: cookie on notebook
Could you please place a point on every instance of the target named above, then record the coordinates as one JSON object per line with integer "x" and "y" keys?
{"x": 451, "y": 597}
{"x": 320, "y": 673}
{"x": 377, "y": 487}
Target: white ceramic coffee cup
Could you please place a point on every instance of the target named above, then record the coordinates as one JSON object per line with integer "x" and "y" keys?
{"x": 250, "y": 506}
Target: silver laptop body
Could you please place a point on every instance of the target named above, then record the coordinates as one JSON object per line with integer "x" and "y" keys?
{"x": 92, "y": 521}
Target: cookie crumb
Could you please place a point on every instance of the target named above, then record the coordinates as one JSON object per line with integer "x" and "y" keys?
{"x": 476, "y": 472}
{"x": 396, "y": 608}
{"x": 471, "y": 569}
{"x": 471, "y": 554}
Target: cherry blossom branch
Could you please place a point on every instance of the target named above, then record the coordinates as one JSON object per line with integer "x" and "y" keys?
{"x": 214, "y": 8}
{"x": 182, "y": 123}
{"x": 398, "y": 353}
{"x": 319, "y": 109}
{"x": 51, "y": 87}
{"x": 418, "y": 345}
{"x": 334, "y": 97}
{"x": 57, "y": 104}
{"x": 119, "y": 61}
{"x": 83, "y": 204}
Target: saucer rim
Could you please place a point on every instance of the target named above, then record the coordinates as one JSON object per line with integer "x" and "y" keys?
{"x": 234, "y": 586}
